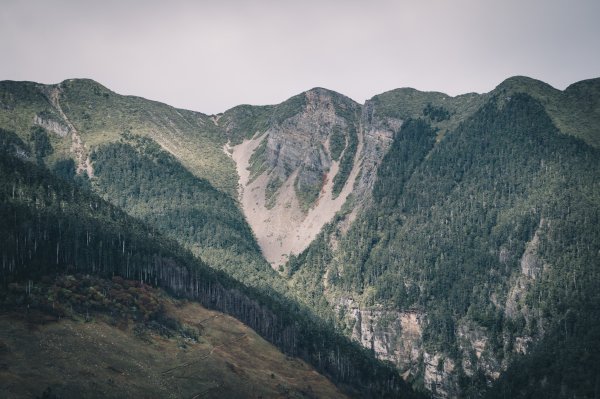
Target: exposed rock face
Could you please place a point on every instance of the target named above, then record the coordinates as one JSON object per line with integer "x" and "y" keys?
{"x": 289, "y": 183}
{"x": 474, "y": 344}
{"x": 378, "y": 136}
{"x": 531, "y": 268}
{"x": 52, "y": 125}
{"x": 391, "y": 334}
{"x": 287, "y": 173}
{"x": 82, "y": 159}
{"x": 516, "y": 307}
{"x": 438, "y": 375}
{"x": 397, "y": 336}
{"x": 531, "y": 265}
{"x": 293, "y": 156}
{"x": 299, "y": 142}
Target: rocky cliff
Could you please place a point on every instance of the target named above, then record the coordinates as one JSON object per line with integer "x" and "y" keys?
{"x": 296, "y": 174}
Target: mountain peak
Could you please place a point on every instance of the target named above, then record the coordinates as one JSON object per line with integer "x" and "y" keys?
{"x": 591, "y": 86}
{"x": 321, "y": 92}
{"x": 84, "y": 84}
{"x": 525, "y": 84}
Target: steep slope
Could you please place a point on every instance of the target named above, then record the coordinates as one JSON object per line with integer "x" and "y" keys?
{"x": 300, "y": 161}
{"x": 448, "y": 272}
{"x": 180, "y": 187}
{"x": 88, "y": 115}
{"x": 297, "y": 169}
{"x": 149, "y": 183}
{"x": 166, "y": 348}
{"x": 574, "y": 111}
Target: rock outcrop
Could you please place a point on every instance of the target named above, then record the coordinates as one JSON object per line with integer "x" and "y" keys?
{"x": 78, "y": 148}
{"x": 51, "y": 124}
{"x": 288, "y": 173}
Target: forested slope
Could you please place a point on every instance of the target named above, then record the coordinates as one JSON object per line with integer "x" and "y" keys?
{"x": 52, "y": 227}
{"x": 491, "y": 237}
{"x": 147, "y": 182}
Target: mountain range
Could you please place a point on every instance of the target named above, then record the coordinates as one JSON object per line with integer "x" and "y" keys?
{"x": 416, "y": 244}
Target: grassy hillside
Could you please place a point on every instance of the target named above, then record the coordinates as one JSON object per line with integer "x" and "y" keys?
{"x": 443, "y": 112}
{"x": 80, "y": 336}
{"x": 192, "y": 137}
{"x": 100, "y": 116}
{"x": 574, "y": 111}
{"x": 244, "y": 121}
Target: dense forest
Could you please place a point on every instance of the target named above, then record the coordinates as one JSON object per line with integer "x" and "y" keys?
{"x": 447, "y": 231}
{"x": 139, "y": 177}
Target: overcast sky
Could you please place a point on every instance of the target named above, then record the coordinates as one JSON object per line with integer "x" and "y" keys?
{"x": 211, "y": 55}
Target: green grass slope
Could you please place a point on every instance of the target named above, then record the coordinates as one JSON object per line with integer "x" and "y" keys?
{"x": 100, "y": 116}
{"x": 442, "y": 111}
{"x": 85, "y": 337}
{"x": 574, "y": 111}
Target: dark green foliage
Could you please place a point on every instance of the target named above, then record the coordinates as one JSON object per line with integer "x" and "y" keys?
{"x": 288, "y": 108}
{"x": 574, "y": 111}
{"x": 40, "y": 143}
{"x": 565, "y": 364}
{"x": 409, "y": 148}
{"x": 307, "y": 271}
{"x": 346, "y": 162}
{"x": 48, "y": 394}
{"x": 337, "y": 143}
{"x": 271, "y": 192}
{"x": 10, "y": 143}
{"x": 65, "y": 168}
{"x": 85, "y": 296}
{"x": 138, "y": 176}
{"x": 258, "y": 160}
{"x": 308, "y": 190}
{"x": 243, "y": 121}
{"x": 436, "y": 114}
{"x": 465, "y": 192}
{"x": 445, "y": 213}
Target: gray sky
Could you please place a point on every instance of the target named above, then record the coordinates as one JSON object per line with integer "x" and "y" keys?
{"x": 211, "y": 55}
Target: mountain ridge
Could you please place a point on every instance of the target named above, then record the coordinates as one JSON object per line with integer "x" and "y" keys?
{"x": 443, "y": 202}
